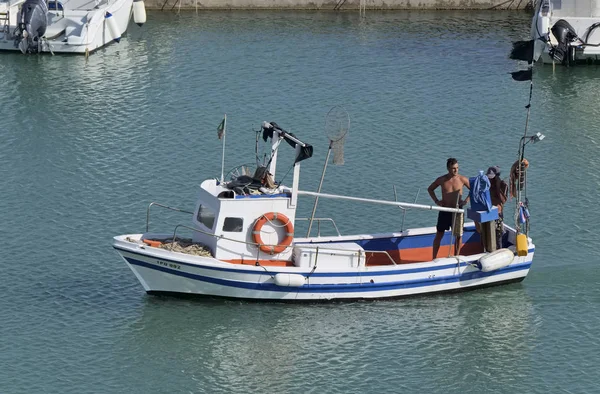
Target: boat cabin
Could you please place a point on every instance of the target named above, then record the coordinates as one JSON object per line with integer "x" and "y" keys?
{"x": 233, "y": 216}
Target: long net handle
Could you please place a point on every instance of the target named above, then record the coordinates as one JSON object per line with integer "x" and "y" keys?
{"x": 312, "y": 216}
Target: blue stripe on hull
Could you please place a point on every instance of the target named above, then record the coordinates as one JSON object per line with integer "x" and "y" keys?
{"x": 333, "y": 288}
{"x": 344, "y": 299}
{"x": 399, "y": 271}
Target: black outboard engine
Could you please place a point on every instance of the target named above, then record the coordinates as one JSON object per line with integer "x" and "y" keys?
{"x": 565, "y": 34}
{"x": 33, "y": 21}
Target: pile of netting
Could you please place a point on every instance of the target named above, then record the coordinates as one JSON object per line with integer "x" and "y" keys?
{"x": 186, "y": 246}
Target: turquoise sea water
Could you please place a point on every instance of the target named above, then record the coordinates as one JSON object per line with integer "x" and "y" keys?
{"x": 85, "y": 146}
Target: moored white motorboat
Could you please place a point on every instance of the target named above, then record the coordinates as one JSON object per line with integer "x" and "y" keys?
{"x": 243, "y": 245}
{"x": 566, "y": 31}
{"x": 65, "y": 26}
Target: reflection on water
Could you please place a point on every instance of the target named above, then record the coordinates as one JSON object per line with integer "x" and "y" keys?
{"x": 569, "y": 90}
{"x": 566, "y": 108}
{"x": 224, "y": 345}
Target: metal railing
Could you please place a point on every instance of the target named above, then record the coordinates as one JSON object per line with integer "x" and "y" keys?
{"x": 162, "y": 206}
{"x": 319, "y": 220}
{"x": 5, "y": 23}
{"x": 404, "y": 209}
{"x": 257, "y": 245}
{"x": 380, "y": 252}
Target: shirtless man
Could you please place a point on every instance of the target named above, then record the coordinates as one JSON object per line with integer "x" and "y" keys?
{"x": 452, "y": 185}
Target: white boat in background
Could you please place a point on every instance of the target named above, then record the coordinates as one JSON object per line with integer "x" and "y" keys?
{"x": 65, "y": 26}
{"x": 566, "y": 31}
{"x": 243, "y": 245}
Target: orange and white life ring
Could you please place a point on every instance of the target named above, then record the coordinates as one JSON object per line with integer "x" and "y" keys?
{"x": 285, "y": 242}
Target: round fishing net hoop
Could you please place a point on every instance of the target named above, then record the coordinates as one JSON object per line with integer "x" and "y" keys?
{"x": 242, "y": 169}
{"x": 337, "y": 125}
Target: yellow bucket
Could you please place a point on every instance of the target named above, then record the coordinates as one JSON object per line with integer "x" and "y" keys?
{"x": 521, "y": 245}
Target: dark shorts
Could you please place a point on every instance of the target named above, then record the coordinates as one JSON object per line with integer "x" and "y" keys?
{"x": 444, "y": 223}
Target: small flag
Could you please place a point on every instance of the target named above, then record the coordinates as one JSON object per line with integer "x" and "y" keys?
{"x": 523, "y": 75}
{"x": 221, "y": 129}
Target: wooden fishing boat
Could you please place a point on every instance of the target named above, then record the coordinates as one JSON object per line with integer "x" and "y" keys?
{"x": 243, "y": 244}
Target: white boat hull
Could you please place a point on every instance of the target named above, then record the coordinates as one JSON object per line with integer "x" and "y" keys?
{"x": 77, "y": 31}
{"x": 582, "y": 17}
{"x": 160, "y": 271}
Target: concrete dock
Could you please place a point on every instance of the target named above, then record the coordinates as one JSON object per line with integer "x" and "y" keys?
{"x": 339, "y": 5}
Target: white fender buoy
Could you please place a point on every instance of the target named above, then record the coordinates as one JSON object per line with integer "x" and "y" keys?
{"x": 495, "y": 260}
{"x": 139, "y": 12}
{"x": 289, "y": 280}
{"x": 112, "y": 26}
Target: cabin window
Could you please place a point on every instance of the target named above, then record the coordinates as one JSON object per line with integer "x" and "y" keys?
{"x": 206, "y": 216}
{"x": 233, "y": 225}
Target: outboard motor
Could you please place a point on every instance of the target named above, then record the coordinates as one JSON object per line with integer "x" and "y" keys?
{"x": 32, "y": 24}
{"x": 564, "y": 34}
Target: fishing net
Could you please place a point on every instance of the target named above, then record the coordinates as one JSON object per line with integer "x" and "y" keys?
{"x": 186, "y": 246}
{"x": 337, "y": 124}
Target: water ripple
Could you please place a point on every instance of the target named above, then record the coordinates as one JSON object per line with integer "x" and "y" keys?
{"x": 86, "y": 145}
